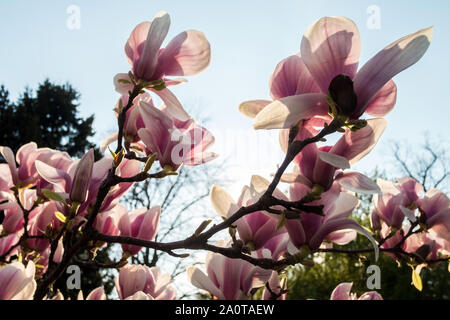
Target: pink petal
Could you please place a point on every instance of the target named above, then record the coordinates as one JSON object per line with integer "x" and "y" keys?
{"x": 287, "y": 112}
{"x": 60, "y": 179}
{"x": 357, "y": 182}
{"x": 187, "y": 54}
{"x": 342, "y": 291}
{"x": 440, "y": 224}
{"x": 384, "y": 101}
{"x": 393, "y": 59}
{"x": 331, "y": 46}
{"x": 122, "y": 88}
{"x": 173, "y": 105}
{"x": 7, "y": 153}
{"x": 355, "y": 145}
{"x": 291, "y": 77}
{"x": 97, "y": 294}
{"x": 334, "y": 160}
{"x": 148, "y": 60}
{"x": 340, "y": 224}
{"x": 201, "y": 281}
{"x": 253, "y": 107}
{"x": 222, "y": 202}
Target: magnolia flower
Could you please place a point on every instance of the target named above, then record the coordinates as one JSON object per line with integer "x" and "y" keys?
{"x": 342, "y": 292}
{"x": 7, "y": 242}
{"x": 133, "y": 120}
{"x": 330, "y": 51}
{"x": 75, "y": 182}
{"x": 45, "y": 217}
{"x": 318, "y": 165}
{"x": 17, "y": 282}
{"x": 396, "y": 201}
{"x": 175, "y": 142}
{"x": 13, "y": 220}
{"x": 436, "y": 207}
{"x": 96, "y": 294}
{"x": 152, "y": 284}
{"x": 256, "y": 228}
{"x": 425, "y": 245}
{"x": 228, "y": 279}
{"x": 141, "y": 224}
{"x": 70, "y": 185}
{"x": 290, "y": 78}
{"x": 25, "y": 174}
{"x": 107, "y": 222}
{"x": 186, "y": 55}
{"x": 334, "y": 226}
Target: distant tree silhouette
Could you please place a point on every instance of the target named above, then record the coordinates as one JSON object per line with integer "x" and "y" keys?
{"x": 48, "y": 116}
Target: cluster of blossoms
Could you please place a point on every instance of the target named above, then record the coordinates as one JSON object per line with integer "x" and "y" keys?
{"x": 55, "y": 206}
{"x": 46, "y": 195}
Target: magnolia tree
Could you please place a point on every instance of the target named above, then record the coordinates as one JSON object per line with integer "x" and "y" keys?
{"x": 56, "y": 207}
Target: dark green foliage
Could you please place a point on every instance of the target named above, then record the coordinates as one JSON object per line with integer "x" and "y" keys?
{"x": 48, "y": 117}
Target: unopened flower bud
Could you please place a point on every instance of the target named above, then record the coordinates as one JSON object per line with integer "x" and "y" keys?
{"x": 82, "y": 177}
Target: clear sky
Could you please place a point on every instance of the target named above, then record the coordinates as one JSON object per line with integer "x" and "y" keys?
{"x": 248, "y": 38}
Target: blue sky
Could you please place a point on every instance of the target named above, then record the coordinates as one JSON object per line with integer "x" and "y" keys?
{"x": 248, "y": 38}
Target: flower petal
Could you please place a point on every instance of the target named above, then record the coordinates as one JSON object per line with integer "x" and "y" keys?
{"x": 120, "y": 86}
{"x": 291, "y": 77}
{"x": 355, "y": 145}
{"x": 173, "y": 105}
{"x": 7, "y": 153}
{"x": 393, "y": 59}
{"x": 187, "y": 54}
{"x": 331, "y": 46}
{"x": 340, "y": 224}
{"x": 334, "y": 160}
{"x": 222, "y": 202}
{"x": 157, "y": 32}
{"x": 342, "y": 291}
{"x": 201, "y": 281}
{"x": 384, "y": 101}
{"x": 253, "y": 107}
{"x": 357, "y": 182}
{"x": 287, "y": 112}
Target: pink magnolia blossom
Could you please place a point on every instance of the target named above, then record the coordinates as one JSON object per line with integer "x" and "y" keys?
{"x": 318, "y": 165}
{"x": 275, "y": 246}
{"x": 149, "y": 281}
{"x": 334, "y": 226}
{"x": 330, "y": 50}
{"x": 25, "y": 173}
{"x": 13, "y": 220}
{"x": 187, "y": 54}
{"x": 396, "y": 201}
{"x": 290, "y": 78}
{"x": 256, "y": 228}
{"x": 97, "y": 294}
{"x": 7, "y": 242}
{"x": 17, "y": 282}
{"x": 175, "y": 142}
{"x": 64, "y": 181}
{"x": 228, "y": 279}
{"x": 342, "y": 292}
{"x": 45, "y": 217}
{"x": 436, "y": 207}
{"x": 107, "y": 222}
{"x": 141, "y": 224}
